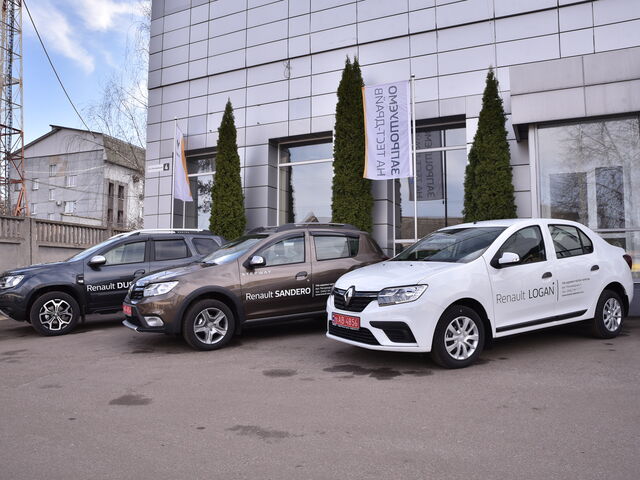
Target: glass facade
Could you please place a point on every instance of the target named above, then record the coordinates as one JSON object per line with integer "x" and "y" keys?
{"x": 200, "y": 170}
{"x": 305, "y": 175}
{"x": 441, "y": 159}
{"x": 588, "y": 172}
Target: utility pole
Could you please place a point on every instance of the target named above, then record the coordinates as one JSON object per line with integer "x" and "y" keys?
{"x": 12, "y": 178}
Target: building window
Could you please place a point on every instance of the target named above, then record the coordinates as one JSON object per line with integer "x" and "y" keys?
{"x": 53, "y": 169}
{"x": 111, "y": 189}
{"x": 305, "y": 175}
{"x": 110, "y": 215}
{"x": 200, "y": 170}
{"x": 35, "y": 184}
{"x": 441, "y": 160}
{"x": 69, "y": 207}
{"x": 121, "y": 192}
{"x": 71, "y": 180}
{"x": 33, "y": 209}
{"x": 17, "y": 186}
{"x": 120, "y": 218}
{"x": 51, "y": 197}
{"x": 588, "y": 172}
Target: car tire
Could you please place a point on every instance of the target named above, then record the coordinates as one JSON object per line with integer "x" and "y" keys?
{"x": 459, "y": 338}
{"x": 208, "y": 325}
{"x": 54, "y": 313}
{"x": 607, "y": 321}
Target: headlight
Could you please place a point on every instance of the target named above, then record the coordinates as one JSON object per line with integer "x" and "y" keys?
{"x": 394, "y": 295}
{"x": 159, "y": 288}
{"x": 10, "y": 281}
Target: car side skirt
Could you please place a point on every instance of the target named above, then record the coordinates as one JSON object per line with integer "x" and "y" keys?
{"x": 541, "y": 322}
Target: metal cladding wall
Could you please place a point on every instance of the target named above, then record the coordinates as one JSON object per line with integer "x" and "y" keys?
{"x": 279, "y": 62}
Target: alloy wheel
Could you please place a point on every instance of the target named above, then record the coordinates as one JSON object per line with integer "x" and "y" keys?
{"x": 55, "y": 314}
{"x": 461, "y": 338}
{"x": 612, "y": 314}
{"x": 211, "y": 326}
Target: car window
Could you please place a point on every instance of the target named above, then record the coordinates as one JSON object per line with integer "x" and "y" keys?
{"x": 204, "y": 246}
{"x": 335, "y": 246}
{"x": 460, "y": 245}
{"x": 127, "y": 253}
{"x": 527, "y": 243}
{"x": 170, "y": 249}
{"x": 289, "y": 250}
{"x": 570, "y": 241}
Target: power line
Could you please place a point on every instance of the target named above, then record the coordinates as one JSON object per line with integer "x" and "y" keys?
{"x": 54, "y": 69}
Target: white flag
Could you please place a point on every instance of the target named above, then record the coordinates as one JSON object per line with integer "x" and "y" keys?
{"x": 387, "y": 121}
{"x": 181, "y": 188}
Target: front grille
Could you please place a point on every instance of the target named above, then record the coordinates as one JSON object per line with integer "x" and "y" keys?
{"x": 358, "y": 303}
{"x": 136, "y": 293}
{"x": 397, "y": 332}
{"x": 362, "y": 335}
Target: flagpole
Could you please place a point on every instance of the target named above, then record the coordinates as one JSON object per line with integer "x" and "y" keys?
{"x": 173, "y": 167}
{"x": 184, "y": 213}
{"x": 415, "y": 170}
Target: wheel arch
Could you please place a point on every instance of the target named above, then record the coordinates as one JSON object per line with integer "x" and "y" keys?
{"x": 620, "y": 290}
{"x": 221, "y": 294}
{"x": 477, "y": 307}
{"x": 68, "y": 289}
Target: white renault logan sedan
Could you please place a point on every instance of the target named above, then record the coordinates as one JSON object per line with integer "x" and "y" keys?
{"x": 460, "y": 286}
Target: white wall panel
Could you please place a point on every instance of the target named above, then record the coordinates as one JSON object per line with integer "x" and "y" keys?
{"x": 333, "y": 17}
{"x": 270, "y": 92}
{"x": 423, "y": 43}
{"x": 420, "y": 4}
{"x": 370, "y": 9}
{"x": 577, "y": 42}
{"x": 466, "y": 60}
{"x": 198, "y": 50}
{"x": 575, "y": 17}
{"x": 197, "y": 106}
{"x": 269, "y": 52}
{"x": 199, "y": 14}
{"x": 225, "y": 62}
{"x": 267, "y": 33}
{"x": 334, "y": 38}
{"x": 619, "y": 35}
{"x": 299, "y": 46}
{"x": 227, "y": 43}
{"x": 529, "y": 50}
{"x": 199, "y": 32}
{"x": 299, "y": 25}
{"x": 299, "y": 7}
{"x": 462, "y": 84}
{"x": 383, "y": 28}
{"x": 613, "y": 98}
{"x": 177, "y": 20}
{"x": 271, "y": 72}
{"x": 422, "y": 20}
{"x": 228, "y": 24}
{"x": 463, "y": 12}
{"x": 267, "y": 113}
{"x": 426, "y": 89}
{"x": 386, "y": 72}
{"x": 329, "y": 61}
{"x": 324, "y": 104}
{"x": 383, "y": 51}
{"x": 178, "y": 73}
{"x": 227, "y": 81}
{"x": 175, "y": 56}
{"x": 173, "y": 93}
{"x": 268, "y": 13}
{"x": 300, "y": 108}
{"x": 300, "y": 87}
{"x": 220, "y": 8}
{"x": 523, "y": 26}
{"x": 217, "y": 101}
{"x": 198, "y": 87}
{"x": 175, "y": 110}
{"x": 465, "y": 36}
{"x": 325, "y": 83}
{"x": 610, "y": 11}
{"x": 511, "y": 7}
{"x": 424, "y": 66}
{"x": 175, "y": 38}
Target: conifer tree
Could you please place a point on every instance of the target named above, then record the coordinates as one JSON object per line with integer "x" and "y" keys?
{"x": 488, "y": 183}
{"x": 352, "y": 200}
{"x": 227, "y": 209}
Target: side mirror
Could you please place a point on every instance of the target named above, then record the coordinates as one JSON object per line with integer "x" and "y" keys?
{"x": 257, "y": 261}
{"x": 97, "y": 261}
{"x": 509, "y": 258}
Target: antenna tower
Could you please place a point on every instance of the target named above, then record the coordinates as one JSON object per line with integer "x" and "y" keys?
{"x": 12, "y": 181}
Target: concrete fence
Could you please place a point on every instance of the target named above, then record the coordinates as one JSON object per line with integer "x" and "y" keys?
{"x": 26, "y": 241}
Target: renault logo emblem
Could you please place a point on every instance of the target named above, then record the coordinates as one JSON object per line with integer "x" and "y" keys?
{"x": 348, "y": 295}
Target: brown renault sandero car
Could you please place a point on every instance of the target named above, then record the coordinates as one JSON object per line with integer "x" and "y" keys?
{"x": 273, "y": 273}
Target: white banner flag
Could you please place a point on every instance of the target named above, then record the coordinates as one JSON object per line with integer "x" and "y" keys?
{"x": 181, "y": 188}
{"x": 387, "y": 118}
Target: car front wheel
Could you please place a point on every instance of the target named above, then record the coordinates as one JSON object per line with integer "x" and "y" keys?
{"x": 208, "y": 325}
{"x": 607, "y": 322}
{"x": 459, "y": 338}
{"x": 54, "y": 313}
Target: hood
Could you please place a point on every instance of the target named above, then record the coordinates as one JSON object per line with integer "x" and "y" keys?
{"x": 168, "y": 275}
{"x": 32, "y": 268}
{"x": 375, "y": 277}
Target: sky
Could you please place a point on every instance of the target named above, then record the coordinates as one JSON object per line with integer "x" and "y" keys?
{"x": 87, "y": 41}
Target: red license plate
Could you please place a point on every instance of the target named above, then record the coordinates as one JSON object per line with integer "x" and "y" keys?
{"x": 346, "y": 321}
{"x": 127, "y": 310}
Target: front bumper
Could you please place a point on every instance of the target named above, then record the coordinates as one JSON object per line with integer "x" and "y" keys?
{"x": 406, "y": 327}
{"x": 136, "y": 322}
{"x": 13, "y": 303}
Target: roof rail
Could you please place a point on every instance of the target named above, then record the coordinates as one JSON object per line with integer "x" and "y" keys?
{"x": 161, "y": 230}
{"x": 291, "y": 226}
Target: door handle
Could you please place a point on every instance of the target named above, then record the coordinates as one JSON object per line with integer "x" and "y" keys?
{"x": 594, "y": 268}
{"x": 546, "y": 275}
{"x": 138, "y": 272}
{"x": 301, "y": 275}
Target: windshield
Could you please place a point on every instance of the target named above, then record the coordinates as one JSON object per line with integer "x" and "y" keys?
{"x": 92, "y": 250}
{"x": 460, "y": 245}
{"x": 232, "y": 250}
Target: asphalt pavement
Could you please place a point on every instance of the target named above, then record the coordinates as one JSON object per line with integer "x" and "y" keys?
{"x": 285, "y": 402}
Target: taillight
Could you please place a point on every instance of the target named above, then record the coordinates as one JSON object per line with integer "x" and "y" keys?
{"x": 628, "y": 259}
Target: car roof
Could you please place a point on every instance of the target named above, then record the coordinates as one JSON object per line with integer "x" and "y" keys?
{"x": 508, "y": 222}
{"x": 304, "y": 226}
